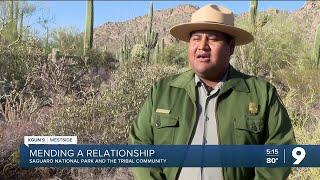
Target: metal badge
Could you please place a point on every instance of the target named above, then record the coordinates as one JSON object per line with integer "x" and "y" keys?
{"x": 253, "y": 108}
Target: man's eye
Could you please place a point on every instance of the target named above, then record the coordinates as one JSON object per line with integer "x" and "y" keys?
{"x": 195, "y": 37}
{"x": 213, "y": 39}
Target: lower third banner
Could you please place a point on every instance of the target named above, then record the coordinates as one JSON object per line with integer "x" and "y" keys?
{"x": 169, "y": 156}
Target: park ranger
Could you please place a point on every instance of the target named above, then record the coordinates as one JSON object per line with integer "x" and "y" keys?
{"x": 212, "y": 103}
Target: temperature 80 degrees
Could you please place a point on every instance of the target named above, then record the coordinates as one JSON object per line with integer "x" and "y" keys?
{"x": 271, "y": 160}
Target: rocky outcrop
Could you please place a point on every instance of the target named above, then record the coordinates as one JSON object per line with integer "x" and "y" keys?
{"x": 309, "y": 15}
{"x": 111, "y": 34}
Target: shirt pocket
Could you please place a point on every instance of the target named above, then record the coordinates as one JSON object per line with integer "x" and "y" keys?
{"x": 249, "y": 130}
{"x": 164, "y": 128}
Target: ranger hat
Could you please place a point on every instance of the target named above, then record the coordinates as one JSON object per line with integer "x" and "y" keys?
{"x": 212, "y": 17}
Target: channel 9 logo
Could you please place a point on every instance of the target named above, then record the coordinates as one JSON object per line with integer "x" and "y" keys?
{"x": 299, "y": 154}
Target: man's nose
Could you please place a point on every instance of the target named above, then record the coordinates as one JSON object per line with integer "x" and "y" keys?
{"x": 203, "y": 44}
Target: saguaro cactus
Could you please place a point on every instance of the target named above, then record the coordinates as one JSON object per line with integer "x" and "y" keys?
{"x": 12, "y": 26}
{"x": 162, "y": 46}
{"x": 316, "y": 49}
{"x": 253, "y": 13}
{"x": 252, "y": 64}
{"x": 151, "y": 37}
{"x": 11, "y": 23}
{"x": 161, "y": 50}
{"x": 47, "y": 38}
{"x": 125, "y": 50}
{"x": 156, "y": 54}
{"x": 21, "y": 23}
{"x": 15, "y": 22}
{"x": 88, "y": 36}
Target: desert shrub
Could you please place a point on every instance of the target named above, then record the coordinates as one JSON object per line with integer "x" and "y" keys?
{"x": 299, "y": 89}
{"x": 175, "y": 54}
{"x": 307, "y": 131}
{"x": 15, "y": 63}
{"x": 304, "y": 80}
{"x": 69, "y": 43}
{"x": 40, "y": 91}
{"x": 106, "y": 118}
{"x": 139, "y": 52}
{"x": 27, "y": 73}
{"x": 68, "y": 40}
{"x": 96, "y": 58}
{"x": 301, "y": 94}
{"x": 17, "y": 111}
{"x": 278, "y": 43}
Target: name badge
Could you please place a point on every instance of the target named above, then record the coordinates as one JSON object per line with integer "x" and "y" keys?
{"x": 164, "y": 111}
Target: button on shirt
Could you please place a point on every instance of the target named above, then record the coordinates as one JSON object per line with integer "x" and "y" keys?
{"x": 206, "y": 130}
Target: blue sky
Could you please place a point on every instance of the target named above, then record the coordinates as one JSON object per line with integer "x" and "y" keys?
{"x": 72, "y": 13}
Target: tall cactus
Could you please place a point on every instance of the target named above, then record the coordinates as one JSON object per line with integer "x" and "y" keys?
{"x": 316, "y": 49}
{"x": 252, "y": 64}
{"x": 253, "y": 14}
{"x": 15, "y": 22}
{"x": 162, "y": 46}
{"x": 21, "y": 23}
{"x": 11, "y": 11}
{"x": 47, "y": 38}
{"x": 125, "y": 47}
{"x": 11, "y": 24}
{"x": 156, "y": 54}
{"x": 88, "y": 36}
{"x": 161, "y": 50}
{"x": 124, "y": 51}
{"x": 151, "y": 37}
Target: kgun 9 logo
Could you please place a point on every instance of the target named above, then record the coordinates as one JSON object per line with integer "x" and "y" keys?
{"x": 299, "y": 154}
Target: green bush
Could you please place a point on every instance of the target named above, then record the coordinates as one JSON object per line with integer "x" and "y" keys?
{"x": 278, "y": 43}
{"x": 301, "y": 93}
{"x": 15, "y": 64}
{"x": 97, "y": 59}
{"x": 68, "y": 40}
{"x": 107, "y": 116}
{"x": 139, "y": 51}
{"x": 175, "y": 54}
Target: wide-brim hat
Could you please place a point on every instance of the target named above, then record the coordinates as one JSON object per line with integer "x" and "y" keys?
{"x": 212, "y": 17}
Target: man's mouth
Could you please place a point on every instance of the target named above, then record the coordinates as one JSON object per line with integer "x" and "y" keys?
{"x": 203, "y": 57}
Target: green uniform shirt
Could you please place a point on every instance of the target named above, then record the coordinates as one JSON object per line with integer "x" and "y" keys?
{"x": 248, "y": 111}
{"x": 206, "y": 130}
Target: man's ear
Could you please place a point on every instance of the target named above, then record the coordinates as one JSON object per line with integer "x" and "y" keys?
{"x": 232, "y": 45}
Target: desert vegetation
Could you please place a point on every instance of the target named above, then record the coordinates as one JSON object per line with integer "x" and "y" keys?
{"x": 63, "y": 86}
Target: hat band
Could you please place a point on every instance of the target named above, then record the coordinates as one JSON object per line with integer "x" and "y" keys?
{"x": 213, "y": 22}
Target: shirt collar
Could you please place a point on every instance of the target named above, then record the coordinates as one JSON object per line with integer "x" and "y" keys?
{"x": 235, "y": 80}
{"x": 220, "y": 83}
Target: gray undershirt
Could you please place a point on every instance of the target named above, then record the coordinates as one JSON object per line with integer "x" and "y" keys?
{"x": 206, "y": 130}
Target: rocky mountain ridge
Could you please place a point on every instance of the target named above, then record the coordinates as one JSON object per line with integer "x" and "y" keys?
{"x": 310, "y": 15}
{"x": 110, "y": 35}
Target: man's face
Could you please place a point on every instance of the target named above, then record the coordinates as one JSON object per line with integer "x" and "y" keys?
{"x": 209, "y": 53}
